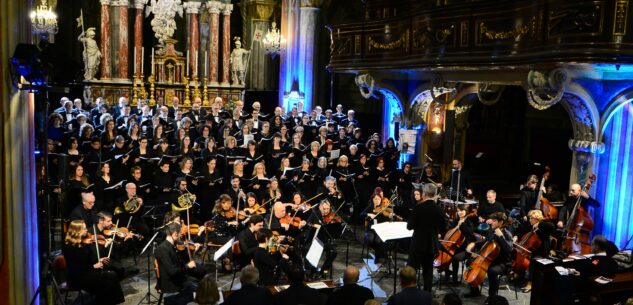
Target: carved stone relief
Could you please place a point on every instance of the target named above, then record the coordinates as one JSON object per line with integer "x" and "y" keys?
{"x": 545, "y": 89}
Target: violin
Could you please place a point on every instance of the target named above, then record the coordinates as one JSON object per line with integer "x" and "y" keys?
{"x": 186, "y": 245}
{"x": 89, "y": 239}
{"x": 277, "y": 247}
{"x": 331, "y": 218}
{"x": 255, "y": 209}
{"x": 208, "y": 227}
{"x": 121, "y": 232}
{"x": 230, "y": 213}
{"x": 290, "y": 220}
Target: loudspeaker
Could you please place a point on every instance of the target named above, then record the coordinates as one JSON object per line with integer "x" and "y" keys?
{"x": 449, "y": 136}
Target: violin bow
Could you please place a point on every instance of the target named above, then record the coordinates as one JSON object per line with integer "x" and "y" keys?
{"x": 94, "y": 229}
{"x": 116, "y": 230}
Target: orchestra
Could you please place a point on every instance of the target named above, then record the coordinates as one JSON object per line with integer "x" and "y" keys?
{"x": 273, "y": 185}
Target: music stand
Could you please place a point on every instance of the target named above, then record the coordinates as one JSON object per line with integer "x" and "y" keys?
{"x": 219, "y": 253}
{"x": 148, "y": 296}
{"x": 392, "y": 231}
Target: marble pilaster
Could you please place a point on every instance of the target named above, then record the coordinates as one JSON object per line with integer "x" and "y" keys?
{"x": 105, "y": 39}
{"x": 123, "y": 47}
{"x": 214, "y": 8}
{"x": 226, "y": 44}
{"x": 193, "y": 10}
{"x": 138, "y": 36}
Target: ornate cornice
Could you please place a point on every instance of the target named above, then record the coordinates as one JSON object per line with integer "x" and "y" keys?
{"x": 192, "y": 7}
{"x": 546, "y": 88}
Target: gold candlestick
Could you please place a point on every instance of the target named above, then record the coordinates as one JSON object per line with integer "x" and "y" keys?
{"x": 134, "y": 91}
{"x": 205, "y": 92}
{"x": 151, "y": 90}
{"x": 142, "y": 88}
{"x": 196, "y": 88}
{"x": 187, "y": 101}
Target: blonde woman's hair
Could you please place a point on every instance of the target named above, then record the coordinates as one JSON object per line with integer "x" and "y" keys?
{"x": 536, "y": 214}
{"x": 73, "y": 235}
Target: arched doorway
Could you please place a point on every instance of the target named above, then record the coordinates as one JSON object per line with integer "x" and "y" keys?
{"x": 505, "y": 142}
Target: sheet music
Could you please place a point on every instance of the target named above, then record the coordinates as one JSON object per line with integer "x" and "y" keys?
{"x": 317, "y": 285}
{"x": 223, "y": 249}
{"x": 392, "y": 230}
{"x": 314, "y": 253}
{"x": 335, "y": 153}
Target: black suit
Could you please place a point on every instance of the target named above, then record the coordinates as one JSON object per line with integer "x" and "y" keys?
{"x": 427, "y": 221}
{"x": 299, "y": 293}
{"x": 250, "y": 294}
{"x": 248, "y": 244}
{"x": 88, "y": 216}
{"x": 350, "y": 294}
{"x": 173, "y": 275}
{"x": 411, "y": 295}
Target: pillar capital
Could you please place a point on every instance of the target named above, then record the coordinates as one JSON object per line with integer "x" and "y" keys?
{"x": 120, "y": 2}
{"x": 106, "y": 2}
{"x": 140, "y": 4}
{"x": 192, "y": 7}
{"x": 214, "y": 7}
{"x": 227, "y": 8}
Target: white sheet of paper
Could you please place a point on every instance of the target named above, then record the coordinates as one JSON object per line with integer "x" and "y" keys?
{"x": 317, "y": 285}
{"x": 335, "y": 153}
{"x": 314, "y": 253}
{"x": 223, "y": 249}
{"x": 392, "y": 230}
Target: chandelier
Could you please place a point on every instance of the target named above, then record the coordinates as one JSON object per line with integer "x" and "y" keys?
{"x": 43, "y": 20}
{"x": 274, "y": 43}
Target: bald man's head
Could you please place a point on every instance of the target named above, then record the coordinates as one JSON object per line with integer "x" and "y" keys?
{"x": 351, "y": 275}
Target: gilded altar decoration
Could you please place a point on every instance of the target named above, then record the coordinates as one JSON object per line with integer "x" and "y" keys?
{"x": 402, "y": 42}
{"x": 515, "y": 33}
{"x": 621, "y": 12}
{"x": 164, "y": 23}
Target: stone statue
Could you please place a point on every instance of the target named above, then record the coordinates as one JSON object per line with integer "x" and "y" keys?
{"x": 164, "y": 23}
{"x": 91, "y": 53}
{"x": 239, "y": 60}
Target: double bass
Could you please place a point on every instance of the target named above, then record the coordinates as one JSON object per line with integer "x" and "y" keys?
{"x": 549, "y": 210}
{"x": 579, "y": 226}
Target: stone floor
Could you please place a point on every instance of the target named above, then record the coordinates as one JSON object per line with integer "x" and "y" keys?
{"x": 372, "y": 276}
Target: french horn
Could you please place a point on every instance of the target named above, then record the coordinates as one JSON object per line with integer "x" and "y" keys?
{"x": 131, "y": 206}
{"x": 185, "y": 201}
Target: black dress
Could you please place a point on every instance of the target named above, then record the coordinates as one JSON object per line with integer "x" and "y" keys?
{"x": 82, "y": 275}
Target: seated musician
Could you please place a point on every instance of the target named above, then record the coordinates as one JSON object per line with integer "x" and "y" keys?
{"x": 269, "y": 263}
{"x": 176, "y": 286}
{"x": 284, "y": 224}
{"x": 303, "y": 208}
{"x": 131, "y": 218}
{"x": 467, "y": 223}
{"x": 104, "y": 225}
{"x": 499, "y": 234}
{"x": 543, "y": 231}
{"x": 252, "y": 207}
{"x": 85, "y": 271}
{"x": 491, "y": 206}
{"x": 247, "y": 238}
{"x": 602, "y": 263}
{"x": 224, "y": 219}
{"x": 376, "y": 213}
{"x": 85, "y": 211}
{"x": 331, "y": 192}
{"x": 330, "y": 228}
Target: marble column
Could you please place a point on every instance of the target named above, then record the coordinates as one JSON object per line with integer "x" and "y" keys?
{"x": 105, "y": 39}
{"x": 123, "y": 49}
{"x": 226, "y": 44}
{"x": 214, "y": 8}
{"x": 288, "y": 60}
{"x": 307, "y": 50}
{"x": 193, "y": 10}
{"x": 138, "y": 36}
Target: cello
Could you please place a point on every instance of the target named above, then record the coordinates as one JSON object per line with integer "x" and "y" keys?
{"x": 579, "y": 226}
{"x": 528, "y": 244}
{"x": 549, "y": 210}
{"x": 478, "y": 269}
{"x": 453, "y": 240}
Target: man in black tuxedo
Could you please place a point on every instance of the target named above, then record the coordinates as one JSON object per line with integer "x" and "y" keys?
{"x": 298, "y": 292}
{"x": 427, "y": 222}
{"x": 85, "y": 210}
{"x": 250, "y": 293}
{"x": 247, "y": 239}
{"x": 351, "y": 293}
{"x": 410, "y": 294}
{"x": 177, "y": 288}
